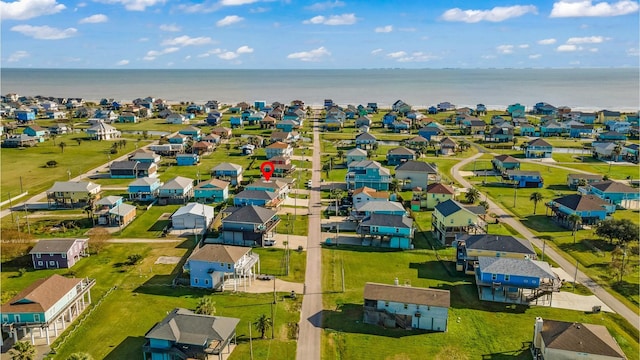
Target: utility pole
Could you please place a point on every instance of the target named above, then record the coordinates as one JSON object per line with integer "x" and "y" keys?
{"x": 342, "y": 271}
{"x": 544, "y": 245}
{"x": 11, "y": 208}
{"x": 515, "y": 193}
{"x": 26, "y": 216}
{"x": 250, "y": 341}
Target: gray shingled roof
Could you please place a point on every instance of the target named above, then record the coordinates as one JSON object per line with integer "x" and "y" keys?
{"x": 398, "y": 221}
{"x": 256, "y": 194}
{"x": 178, "y": 182}
{"x": 182, "y": 326}
{"x": 578, "y": 202}
{"x": 73, "y": 186}
{"x": 227, "y": 166}
{"x": 580, "y": 338}
{"x": 502, "y": 243}
{"x": 401, "y": 151}
{"x": 516, "y": 267}
{"x": 613, "y": 186}
{"x": 407, "y": 294}
{"x": 219, "y": 253}
{"x": 56, "y": 246}
{"x": 250, "y": 214}
{"x": 376, "y": 206}
{"x": 414, "y": 165}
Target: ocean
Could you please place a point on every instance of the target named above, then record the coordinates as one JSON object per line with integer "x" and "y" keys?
{"x": 580, "y": 89}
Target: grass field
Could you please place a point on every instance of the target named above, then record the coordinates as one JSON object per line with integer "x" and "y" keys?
{"x": 475, "y": 330}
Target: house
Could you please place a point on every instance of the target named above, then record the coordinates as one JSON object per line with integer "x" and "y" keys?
{"x": 573, "y": 180}
{"x": 630, "y": 152}
{"x": 268, "y": 199}
{"x": 282, "y": 166}
{"x": 192, "y": 216}
{"x": 58, "y": 253}
{"x": 363, "y": 121}
{"x": 445, "y": 106}
{"x": 120, "y": 215}
{"x": 607, "y": 115}
{"x": 590, "y": 208}
{"x": 417, "y": 143}
{"x": 179, "y": 139}
{"x": 367, "y": 194}
{"x": 144, "y": 189}
{"x": 448, "y": 146}
{"x": 212, "y": 139}
{"x": 132, "y": 169}
{"x": 435, "y": 194}
{"x": 287, "y": 125}
{"x": 187, "y": 159}
{"x": 614, "y": 192}
{"x": 213, "y": 118}
{"x": 503, "y": 163}
{"x": 406, "y": 307}
{"x": 608, "y": 151}
{"x": 365, "y": 141}
{"x": 285, "y": 137}
{"x": 177, "y": 119}
{"x": 355, "y": 154}
{"x": 518, "y": 281}
{"x": 59, "y": 129}
{"x": 249, "y": 226}
{"x": 278, "y": 149}
{"x": 473, "y": 126}
{"x": 71, "y": 193}
{"x": 554, "y": 339}
{"x": 382, "y": 230}
{"x": 145, "y": 156}
{"x": 127, "y": 117}
{"x": 500, "y": 134}
{"x": 228, "y": 172}
{"x": 191, "y": 131}
{"x": 367, "y": 173}
{"x": 611, "y": 136}
{"x": 183, "y": 334}
{"x": 451, "y": 219}
{"x": 24, "y": 116}
{"x": 223, "y": 132}
{"x": 167, "y": 149}
{"x": 552, "y": 128}
{"x": 516, "y": 110}
{"x": 268, "y": 122}
{"x": 401, "y": 107}
{"x": 49, "y": 304}
{"x": 524, "y": 179}
{"x": 176, "y": 191}
{"x": 580, "y": 131}
{"x": 37, "y": 132}
{"x": 543, "y": 108}
{"x": 102, "y": 131}
{"x": 414, "y": 173}
{"x": 280, "y": 187}
{"x": 471, "y": 247}
{"x": 212, "y": 265}
{"x": 537, "y": 148}
{"x": 399, "y": 155}
{"x": 365, "y": 209}
{"x": 22, "y": 140}
{"x": 213, "y": 190}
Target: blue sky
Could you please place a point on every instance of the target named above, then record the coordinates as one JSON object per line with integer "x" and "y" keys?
{"x": 333, "y": 34}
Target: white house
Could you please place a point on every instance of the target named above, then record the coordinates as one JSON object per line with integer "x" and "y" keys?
{"x": 102, "y": 131}
{"x": 192, "y": 216}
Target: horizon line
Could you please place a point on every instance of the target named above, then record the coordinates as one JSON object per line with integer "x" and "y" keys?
{"x": 324, "y": 69}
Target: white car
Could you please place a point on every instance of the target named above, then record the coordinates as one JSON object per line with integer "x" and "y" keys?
{"x": 269, "y": 242}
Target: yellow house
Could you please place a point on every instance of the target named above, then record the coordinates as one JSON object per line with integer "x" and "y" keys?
{"x": 450, "y": 218}
{"x": 470, "y": 247}
{"x": 438, "y": 193}
{"x": 70, "y": 193}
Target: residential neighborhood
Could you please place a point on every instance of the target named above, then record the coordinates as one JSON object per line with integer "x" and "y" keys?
{"x": 160, "y": 231}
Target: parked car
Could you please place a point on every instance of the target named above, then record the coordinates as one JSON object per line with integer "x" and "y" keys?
{"x": 269, "y": 242}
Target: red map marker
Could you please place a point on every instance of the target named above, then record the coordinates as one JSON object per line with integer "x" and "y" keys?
{"x": 267, "y": 169}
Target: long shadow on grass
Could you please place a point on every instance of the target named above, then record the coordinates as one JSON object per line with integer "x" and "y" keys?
{"x": 541, "y": 223}
{"x": 357, "y": 248}
{"x": 348, "y": 318}
{"x": 523, "y": 353}
{"x": 129, "y": 348}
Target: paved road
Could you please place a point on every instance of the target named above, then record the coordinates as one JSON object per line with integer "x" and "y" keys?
{"x": 311, "y": 314}
{"x": 569, "y": 267}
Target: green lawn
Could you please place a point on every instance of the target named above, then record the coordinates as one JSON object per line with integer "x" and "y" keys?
{"x": 297, "y": 226}
{"x": 148, "y": 223}
{"x": 273, "y": 262}
{"x": 476, "y": 329}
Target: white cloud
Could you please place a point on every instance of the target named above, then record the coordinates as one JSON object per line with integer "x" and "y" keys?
{"x": 397, "y": 54}
{"x": 568, "y": 48}
{"x": 586, "y": 40}
{"x": 210, "y": 52}
{"x": 344, "y": 19}
{"x": 311, "y": 56}
{"x": 229, "y": 20}
{"x": 122, "y": 62}
{"x": 228, "y": 55}
{"x": 153, "y": 54}
{"x": 28, "y": 9}
{"x": 187, "y": 41}
{"x": 594, "y": 50}
{"x": 237, "y": 2}
{"x": 633, "y": 52}
{"x": 523, "y": 46}
{"x": 170, "y": 27}
{"x": 497, "y": 14}
{"x": 17, "y": 56}
{"x": 417, "y": 56}
{"x": 384, "y": 29}
{"x": 488, "y": 57}
{"x": 376, "y": 51}
{"x": 566, "y": 8}
{"x": 204, "y": 8}
{"x": 322, "y": 6}
{"x": 535, "y": 56}
{"x": 94, "y": 19}
{"x": 244, "y": 50}
{"x": 135, "y": 5}
{"x": 188, "y": 57}
{"x": 550, "y": 41}
{"x": 505, "y": 49}
{"x": 44, "y": 32}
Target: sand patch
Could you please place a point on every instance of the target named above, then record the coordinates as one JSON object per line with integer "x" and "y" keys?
{"x": 168, "y": 260}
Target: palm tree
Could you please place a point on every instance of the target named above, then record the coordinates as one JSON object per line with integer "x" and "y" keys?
{"x": 485, "y": 205}
{"x": 575, "y": 220}
{"x": 80, "y": 356}
{"x": 340, "y": 154}
{"x": 206, "y": 306}
{"x": 90, "y": 200}
{"x": 53, "y": 137}
{"x": 472, "y": 195}
{"x": 395, "y": 185}
{"x": 62, "y": 145}
{"x": 337, "y": 194}
{"x": 535, "y": 197}
{"x": 582, "y": 182}
{"x": 23, "y": 350}
{"x": 262, "y": 324}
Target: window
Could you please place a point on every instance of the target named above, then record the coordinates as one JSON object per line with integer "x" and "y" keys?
{"x": 406, "y": 306}
{"x": 228, "y": 266}
{"x": 507, "y": 277}
{"x": 397, "y": 230}
{"x": 195, "y": 281}
{"x": 494, "y": 276}
{"x": 206, "y": 281}
{"x": 36, "y": 317}
{"x": 5, "y": 318}
{"x": 52, "y": 263}
{"x": 38, "y": 256}
{"x": 40, "y": 263}
{"x": 386, "y": 303}
{"x": 64, "y": 256}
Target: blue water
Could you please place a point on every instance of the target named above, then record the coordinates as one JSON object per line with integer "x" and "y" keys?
{"x": 582, "y": 89}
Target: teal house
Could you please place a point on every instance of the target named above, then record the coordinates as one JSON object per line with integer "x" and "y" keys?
{"x": 367, "y": 173}
{"x": 613, "y": 192}
{"x": 144, "y": 189}
{"x": 365, "y": 141}
{"x": 212, "y": 190}
{"x": 505, "y": 162}
{"x": 383, "y": 230}
{"x": 36, "y": 131}
{"x": 537, "y": 148}
{"x": 49, "y": 305}
{"x": 355, "y": 154}
{"x": 516, "y": 110}
{"x": 612, "y": 136}
{"x": 590, "y": 208}
{"x": 192, "y": 132}
{"x": 187, "y": 159}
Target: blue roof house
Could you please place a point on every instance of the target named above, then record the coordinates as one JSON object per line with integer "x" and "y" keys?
{"x": 527, "y": 129}
{"x": 590, "y": 208}
{"x": 537, "y": 148}
{"x": 389, "y": 118}
{"x": 287, "y": 125}
{"x": 429, "y": 132}
{"x": 524, "y": 178}
{"x": 383, "y": 230}
{"x": 516, "y": 110}
{"x": 622, "y": 127}
{"x": 517, "y": 281}
{"x": 187, "y": 159}
{"x": 144, "y": 189}
{"x": 178, "y": 139}
{"x": 25, "y": 115}
{"x": 612, "y": 136}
